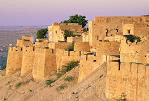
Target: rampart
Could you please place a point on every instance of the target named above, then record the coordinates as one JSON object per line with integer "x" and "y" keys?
{"x": 108, "y": 48}
{"x": 14, "y": 61}
{"x": 27, "y": 60}
{"x": 137, "y": 52}
{"x": 44, "y": 63}
{"x": 127, "y": 80}
{"x": 81, "y": 46}
{"x": 102, "y": 27}
{"x": 88, "y": 64}
{"x": 63, "y": 57}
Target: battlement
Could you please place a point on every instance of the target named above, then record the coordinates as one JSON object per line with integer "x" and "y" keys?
{"x": 44, "y": 50}
{"x": 15, "y": 49}
{"x": 110, "y": 19}
{"x": 88, "y": 57}
{"x": 41, "y": 43}
{"x": 135, "y": 47}
{"x": 69, "y": 24}
{"x": 27, "y": 38}
{"x": 28, "y": 49}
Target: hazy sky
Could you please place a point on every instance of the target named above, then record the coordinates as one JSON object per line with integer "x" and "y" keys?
{"x": 44, "y": 12}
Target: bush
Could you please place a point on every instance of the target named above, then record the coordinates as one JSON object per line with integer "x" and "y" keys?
{"x": 68, "y": 67}
{"x": 18, "y": 84}
{"x": 132, "y": 38}
{"x": 49, "y": 82}
{"x": 69, "y": 78}
{"x": 61, "y": 87}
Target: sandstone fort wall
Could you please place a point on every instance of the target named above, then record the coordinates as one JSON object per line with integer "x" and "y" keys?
{"x": 81, "y": 46}
{"x": 27, "y": 60}
{"x": 44, "y": 63}
{"x": 63, "y": 57}
{"x": 14, "y": 61}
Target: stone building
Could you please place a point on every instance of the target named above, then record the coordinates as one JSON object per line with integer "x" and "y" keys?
{"x": 56, "y": 31}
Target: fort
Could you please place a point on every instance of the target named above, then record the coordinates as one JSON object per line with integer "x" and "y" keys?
{"x": 120, "y": 42}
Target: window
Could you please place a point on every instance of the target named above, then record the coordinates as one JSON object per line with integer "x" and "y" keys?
{"x": 94, "y": 60}
{"x": 128, "y": 31}
{"x": 107, "y": 32}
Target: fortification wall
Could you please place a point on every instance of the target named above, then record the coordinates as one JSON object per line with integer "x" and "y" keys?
{"x": 88, "y": 64}
{"x": 62, "y": 45}
{"x": 104, "y": 26}
{"x": 14, "y": 60}
{"x": 71, "y": 27}
{"x": 41, "y": 43}
{"x": 108, "y": 48}
{"x": 63, "y": 57}
{"x": 27, "y": 60}
{"x": 44, "y": 63}
{"x": 137, "y": 52}
{"x": 85, "y": 37}
{"x": 22, "y": 43}
{"x": 81, "y": 46}
{"x": 130, "y": 80}
{"x": 28, "y": 38}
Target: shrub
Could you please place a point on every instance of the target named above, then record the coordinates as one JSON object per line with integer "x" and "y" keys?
{"x": 18, "y": 84}
{"x": 62, "y": 87}
{"x": 30, "y": 90}
{"x": 132, "y": 38}
{"x": 69, "y": 78}
{"x": 49, "y": 82}
{"x": 68, "y": 67}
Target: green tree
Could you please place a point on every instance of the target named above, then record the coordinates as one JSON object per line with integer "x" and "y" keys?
{"x": 81, "y": 20}
{"x": 41, "y": 33}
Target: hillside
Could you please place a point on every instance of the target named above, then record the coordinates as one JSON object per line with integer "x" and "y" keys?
{"x": 15, "y": 88}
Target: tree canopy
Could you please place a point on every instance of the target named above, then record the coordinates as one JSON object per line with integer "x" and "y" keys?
{"x": 81, "y": 20}
{"x": 41, "y": 33}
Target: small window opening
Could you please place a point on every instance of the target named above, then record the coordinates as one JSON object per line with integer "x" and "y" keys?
{"x": 128, "y": 31}
{"x": 94, "y": 60}
{"x": 107, "y": 32}
{"x": 68, "y": 53}
{"x": 116, "y": 30}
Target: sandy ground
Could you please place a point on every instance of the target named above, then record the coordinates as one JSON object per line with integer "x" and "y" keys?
{"x": 16, "y": 88}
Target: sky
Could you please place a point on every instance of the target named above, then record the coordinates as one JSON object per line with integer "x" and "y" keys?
{"x": 45, "y": 12}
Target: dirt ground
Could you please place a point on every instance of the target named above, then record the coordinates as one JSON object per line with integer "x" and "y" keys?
{"x": 16, "y": 88}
